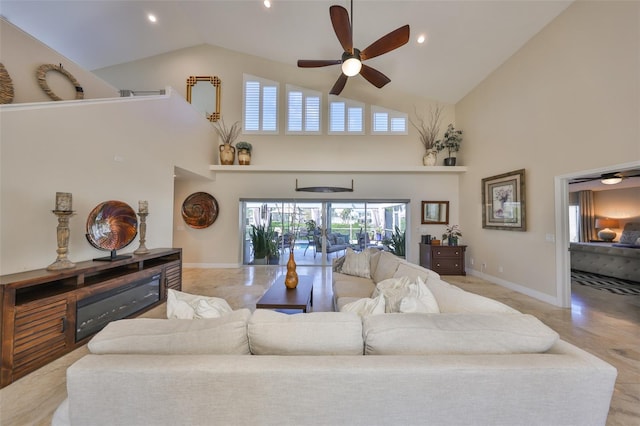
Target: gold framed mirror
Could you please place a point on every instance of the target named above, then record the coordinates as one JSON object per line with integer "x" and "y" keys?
{"x": 435, "y": 212}
{"x": 203, "y": 92}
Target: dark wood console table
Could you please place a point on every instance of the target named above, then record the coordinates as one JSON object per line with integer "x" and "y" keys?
{"x": 39, "y": 309}
{"x": 445, "y": 260}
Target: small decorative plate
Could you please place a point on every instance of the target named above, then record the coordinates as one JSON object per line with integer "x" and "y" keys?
{"x": 111, "y": 225}
{"x": 200, "y": 210}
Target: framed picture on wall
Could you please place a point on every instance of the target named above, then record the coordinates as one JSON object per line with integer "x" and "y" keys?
{"x": 503, "y": 201}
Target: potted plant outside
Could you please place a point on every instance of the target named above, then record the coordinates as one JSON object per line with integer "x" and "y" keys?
{"x": 396, "y": 243}
{"x": 428, "y": 130}
{"x": 451, "y": 142}
{"x": 260, "y": 239}
{"x": 244, "y": 153}
{"x": 228, "y": 135}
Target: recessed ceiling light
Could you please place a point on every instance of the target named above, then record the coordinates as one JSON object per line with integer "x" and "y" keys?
{"x": 267, "y": 4}
{"x": 422, "y": 38}
{"x": 152, "y": 18}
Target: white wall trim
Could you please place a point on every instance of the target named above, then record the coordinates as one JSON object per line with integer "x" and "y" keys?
{"x": 515, "y": 287}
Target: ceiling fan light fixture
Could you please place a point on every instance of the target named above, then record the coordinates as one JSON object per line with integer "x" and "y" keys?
{"x": 351, "y": 67}
{"x": 611, "y": 180}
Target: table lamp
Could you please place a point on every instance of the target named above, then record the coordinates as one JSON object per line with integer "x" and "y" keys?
{"x": 604, "y": 224}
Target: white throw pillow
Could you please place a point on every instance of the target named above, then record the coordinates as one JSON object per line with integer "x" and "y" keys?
{"x": 394, "y": 290}
{"x": 182, "y": 305}
{"x": 366, "y": 306}
{"x": 356, "y": 264}
{"x": 387, "y": 266}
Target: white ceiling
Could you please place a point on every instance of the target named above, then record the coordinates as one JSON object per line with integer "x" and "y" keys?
{"x": 467, "y": 40}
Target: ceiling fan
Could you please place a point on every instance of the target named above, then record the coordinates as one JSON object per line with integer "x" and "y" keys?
{"x": 351, "y": 57}
{"x": 609, "y": 178}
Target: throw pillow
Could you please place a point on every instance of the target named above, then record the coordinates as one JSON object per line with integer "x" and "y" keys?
{"x": 394, "y": 290}
{"x": 629, "y": 237}
{"x": 387, "y": 265}
{"x": 366, "y": 306}
{"x": 420, "y": 300}
{"x": 182, "y": 305}
{"x": 356, "y": 264}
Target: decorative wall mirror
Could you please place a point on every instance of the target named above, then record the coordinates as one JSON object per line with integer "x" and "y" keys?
{"x": 435, "y": 212}
{"x": 204, "y": 94}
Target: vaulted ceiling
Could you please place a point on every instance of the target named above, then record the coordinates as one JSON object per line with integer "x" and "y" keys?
{"x": 466, "y": 40}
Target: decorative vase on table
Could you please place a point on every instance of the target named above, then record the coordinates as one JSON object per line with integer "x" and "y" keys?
{"x": 291, "y": 279}
{"x": 430, "y": 158}
{"x": 227, "y": 154}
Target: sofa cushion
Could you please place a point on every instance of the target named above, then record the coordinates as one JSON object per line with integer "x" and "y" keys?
{"x": 365, "y": 306}
{"x": 356, "y": 264}
{"x": 350, "y": 286}
{"x": 224, "y": 335}
{"x": 182, "y": 305}
{"x": 316, "y": 333}
{"x": 413, "y": 271}
{"x": 452, "y": 299}
{"x": 387, "y": 266}
{"x": 423, "y": 334}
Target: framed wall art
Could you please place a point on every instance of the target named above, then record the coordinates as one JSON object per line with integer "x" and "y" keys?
{"x": 503, "y": 201}
{"x": 435, "y": 212}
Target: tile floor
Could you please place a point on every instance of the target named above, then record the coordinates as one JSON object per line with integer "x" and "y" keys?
{"x": 603, "y": 324}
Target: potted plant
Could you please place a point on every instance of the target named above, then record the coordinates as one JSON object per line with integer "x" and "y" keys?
{"x": 450, "y": 141}
{"x": 396, "y": 243}
{"x": 260, "y": 239}
{"x": 244, "y": 153}
{"x": 228, "y": 135}
{"x": 428, "y": 130}
{"x": 451, "y": 234}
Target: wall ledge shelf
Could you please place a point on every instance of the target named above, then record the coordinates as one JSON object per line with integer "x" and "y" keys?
{"x": 337, "y": 169}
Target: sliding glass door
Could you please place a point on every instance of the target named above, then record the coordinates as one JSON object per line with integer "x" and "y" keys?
{"x": 316, "y": 230}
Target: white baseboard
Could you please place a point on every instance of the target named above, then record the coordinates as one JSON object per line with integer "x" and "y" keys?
{"x": 516, "y": 287}
{"x": 212, "y": 265}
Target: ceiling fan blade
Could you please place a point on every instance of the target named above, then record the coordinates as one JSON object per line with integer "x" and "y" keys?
{"x": 374, "y": 76}
{"x": 314, "y": 63}
{"x": 339, "y": 85}
{"x": 342, "y": 26}
{"x": 386, "y": 43}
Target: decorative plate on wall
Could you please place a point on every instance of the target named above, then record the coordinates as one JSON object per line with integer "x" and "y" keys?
{"x": 6, "y": 86}
{"x": 200, "y": 210}
{"x": 111, "y": 225}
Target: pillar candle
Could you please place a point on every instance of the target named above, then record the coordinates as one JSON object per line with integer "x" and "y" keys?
{"x": 63, "y": 201}
{"x": 143, "y": 206}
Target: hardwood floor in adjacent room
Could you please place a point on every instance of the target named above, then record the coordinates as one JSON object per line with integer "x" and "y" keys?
{"x": 604, "y": 324}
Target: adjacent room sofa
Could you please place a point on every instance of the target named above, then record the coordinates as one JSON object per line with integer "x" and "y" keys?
{"x": 478, "y": 362}
{"x": 619, "y": 260}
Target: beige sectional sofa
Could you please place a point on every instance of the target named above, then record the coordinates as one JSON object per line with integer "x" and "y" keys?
{"x": 478, "y": 362}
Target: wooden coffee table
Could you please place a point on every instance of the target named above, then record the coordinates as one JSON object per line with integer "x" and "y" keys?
{"x": 280, "y": 297}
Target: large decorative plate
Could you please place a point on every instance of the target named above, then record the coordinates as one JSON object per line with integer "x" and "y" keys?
{"x": 200, "y": 210}
{"x": 111, "y": 225}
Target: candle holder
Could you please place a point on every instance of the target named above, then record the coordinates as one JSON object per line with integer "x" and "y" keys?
{"x": 61, "y": 261}
{"x": 143, "y": 234}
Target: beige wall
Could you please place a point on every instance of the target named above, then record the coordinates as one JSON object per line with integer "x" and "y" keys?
{"x": 219, "y": 245}
{"x": 567, "y": 101}
{"x": 21, "y": 55}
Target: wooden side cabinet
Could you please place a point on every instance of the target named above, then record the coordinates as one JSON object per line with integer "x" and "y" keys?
{"x": 445, "y": 260}
{"x": 46, "y": 314}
